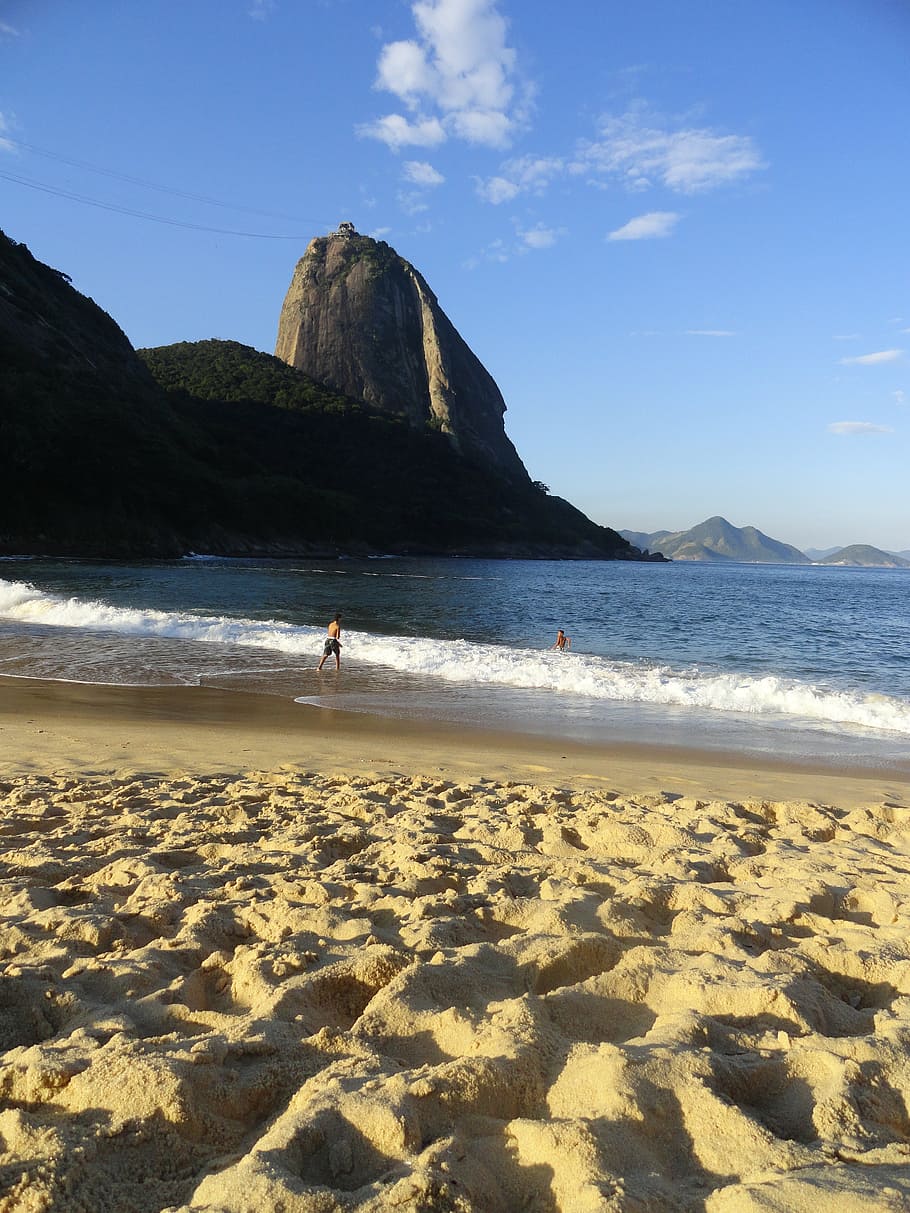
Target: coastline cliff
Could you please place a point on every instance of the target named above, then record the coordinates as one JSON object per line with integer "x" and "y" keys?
{"x": 209, "y": 446}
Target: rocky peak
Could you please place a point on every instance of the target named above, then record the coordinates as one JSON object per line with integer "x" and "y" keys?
{"x": 362, "y": 320}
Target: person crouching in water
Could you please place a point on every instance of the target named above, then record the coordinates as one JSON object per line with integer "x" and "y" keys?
{"x": 563, "y": 642}
{"x": 332, "y": 644}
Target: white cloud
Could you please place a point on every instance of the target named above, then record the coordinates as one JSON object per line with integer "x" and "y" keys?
{"x": 858, "y": 427}
{"x": 536, "y": 172}
{"x": 641, "y": 152}
{"x": 530, "y": 174}
{"x": 638, "y": 152}
{"x": 412, "y": 202}
{"x": 397, "y": 131}
{"x": 497, "y": 190}
{"x": 646, "y": 227}
{"x": 846, "y": 336}
{"x": 872, "y": 359}
{"x": 710, "y": 333}
{"x": 421, "y": 173}
{"x": 488, "y": 127}
{"x": 404, "y": 71}
{"x": 539, "y": 236}
{"x": 900, "y": 397}
{"x": 458, "y": 73}
{"x": 7, "y": 31}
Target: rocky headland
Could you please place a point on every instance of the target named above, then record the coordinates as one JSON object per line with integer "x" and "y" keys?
{"x": 390, "y": 440}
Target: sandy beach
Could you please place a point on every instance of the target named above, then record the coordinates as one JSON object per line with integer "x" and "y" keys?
{"x": 260, "y": 957}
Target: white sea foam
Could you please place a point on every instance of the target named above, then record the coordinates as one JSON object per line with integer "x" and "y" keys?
{"x": 23, "y": 602}
{"x": 567, "y": 675}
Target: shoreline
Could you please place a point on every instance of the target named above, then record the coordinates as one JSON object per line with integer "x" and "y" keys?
{"x": 89, "y": 728}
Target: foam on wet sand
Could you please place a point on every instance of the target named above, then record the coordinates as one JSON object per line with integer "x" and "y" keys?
{"x": 308, "y": 989}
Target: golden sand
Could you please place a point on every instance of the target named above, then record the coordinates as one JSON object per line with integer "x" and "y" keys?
{"x": 261, "y": 958}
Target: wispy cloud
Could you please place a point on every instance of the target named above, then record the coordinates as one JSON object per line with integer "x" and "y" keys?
{"x": 858, "y": 427}
{"x": 494, "y": 251}
{"x": 846, "y": 336}
{"x": 872, "y": 359}
{"x": 261, "y": 9}
{"x": 642, "y": 150}
{"x": 523, "y": 174}
{"x": 6, "y": 145}
{"x": 900, "y": 397}
{"x": 651, "y": 226}
{"x": 7, "y": 31}
{"x": 636, "y": 150}
{"x": 498, "y": 189}
{"x": 412, "y": 202}
{"x": 456, "y": 78}
{"x": 527, "y": 240}
{"x": 710, "y": 333}
{"x": 419, "y": 172}
{"x": 539, "y": 236}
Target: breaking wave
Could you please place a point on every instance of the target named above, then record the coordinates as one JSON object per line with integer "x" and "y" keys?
{"x": 458, "y": 661}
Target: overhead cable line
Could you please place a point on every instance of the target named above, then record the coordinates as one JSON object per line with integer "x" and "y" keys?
{"x": 125, "y": 210}
{"x": 151, "y": 185}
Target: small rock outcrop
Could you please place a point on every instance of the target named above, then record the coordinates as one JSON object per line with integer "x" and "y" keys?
{"x": 362, "y": 320}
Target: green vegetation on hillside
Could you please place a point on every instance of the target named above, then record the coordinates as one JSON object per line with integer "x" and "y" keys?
{"x": 227, "y": 370}
{"x": 371, "y": 477}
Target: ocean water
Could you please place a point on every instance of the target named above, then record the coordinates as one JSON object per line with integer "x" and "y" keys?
{"x": 805, "y": 662}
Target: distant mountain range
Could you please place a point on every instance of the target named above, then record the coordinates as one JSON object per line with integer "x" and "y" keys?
{"x": 717, "y": 540}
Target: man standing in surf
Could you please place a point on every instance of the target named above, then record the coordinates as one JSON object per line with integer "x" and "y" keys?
{"x": 332, "y": 644}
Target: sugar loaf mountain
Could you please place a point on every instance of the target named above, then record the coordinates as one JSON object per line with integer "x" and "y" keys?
{"x": 373, "y": 429}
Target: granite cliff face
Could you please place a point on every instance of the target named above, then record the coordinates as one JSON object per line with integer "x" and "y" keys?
{"x": 361, "y": 319}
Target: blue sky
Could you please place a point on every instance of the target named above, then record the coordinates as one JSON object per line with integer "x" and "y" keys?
{"x": 676, "y": 234}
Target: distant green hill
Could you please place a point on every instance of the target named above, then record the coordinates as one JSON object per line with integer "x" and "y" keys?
{"x": 718, "y": 540}
{"x": 862, "y": 554}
